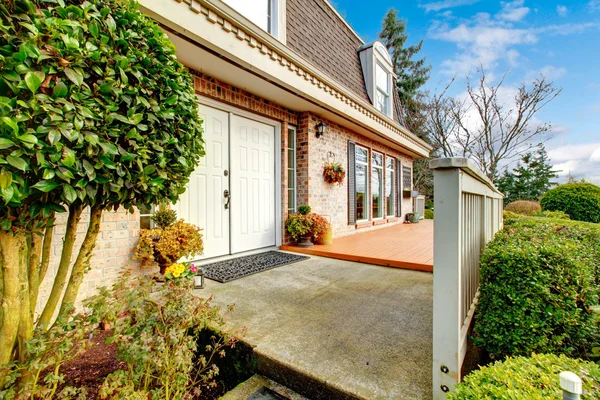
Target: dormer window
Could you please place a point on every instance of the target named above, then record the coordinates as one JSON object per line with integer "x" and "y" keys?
{"x": 378, "y": 73}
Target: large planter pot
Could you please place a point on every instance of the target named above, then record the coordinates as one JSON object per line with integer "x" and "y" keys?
{"x": 328, "y": 236}
{"x": 305, "y": 241}
{"x": 162, "y": 262}
{"x": 413, "y": 218}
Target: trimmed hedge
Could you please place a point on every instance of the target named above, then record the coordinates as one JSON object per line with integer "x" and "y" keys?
{"x": 524, "y": 207}
{"x": 532, "y": 378}
{"x": 580, "y": 200}
{"x": 538, "y": 282}
{"x": 429, "y": 214}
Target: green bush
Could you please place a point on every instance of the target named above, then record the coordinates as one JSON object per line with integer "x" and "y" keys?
{"x": 428, "y": 214}
{"x": 551, "y": 214}
{"x": 524, "y": 207}
{"x": 580, "y": 200}
{"x": 532, "y": 378}
{"x": 511, "y": 215}
{"x": 304, "y": 209}
{"x": 538, "y": 283}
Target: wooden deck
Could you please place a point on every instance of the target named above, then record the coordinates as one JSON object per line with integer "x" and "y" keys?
{"x": 408, "y": 246}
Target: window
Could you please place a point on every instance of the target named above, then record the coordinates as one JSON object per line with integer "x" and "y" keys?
{"x": 390, "y": 202}
{"x": 378, "y": 72}
{"x": 264, "y": 13}
{"x": 291, "y": 169}
{"x": 145, "y": 214}
{"x": 377, "y": 184}
{"x": 406, "y": 181}
{"x": 382, "y": 95}
{"x": 362, "y": 183}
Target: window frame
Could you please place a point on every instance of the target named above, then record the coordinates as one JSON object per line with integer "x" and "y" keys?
{"x": 367, "y": 207}
{"x": 387, "y": 94}
{"x": 294, "y": 169}
{"x": 381, "y": 184}
{"x": 147, "y": 215}
{"x": 393, "y": 179}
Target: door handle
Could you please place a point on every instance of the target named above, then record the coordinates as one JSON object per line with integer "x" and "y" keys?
{"x": 227, "y": 195}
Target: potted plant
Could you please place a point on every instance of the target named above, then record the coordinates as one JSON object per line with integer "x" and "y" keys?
{"x": 334, "y": 173}
{"x": 169, "y": 241}
{"x": 321, "y": 231}
{"x": 300, "y": 225}
{"x": 413, "y": 217}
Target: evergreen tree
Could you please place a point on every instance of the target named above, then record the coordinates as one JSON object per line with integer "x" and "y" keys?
{"x": 530, "y": 179}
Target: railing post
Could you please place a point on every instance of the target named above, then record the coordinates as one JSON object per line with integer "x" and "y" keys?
{"x": 447, "y": 280}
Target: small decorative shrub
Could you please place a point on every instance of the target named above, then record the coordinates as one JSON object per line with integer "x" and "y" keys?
{"x": 180, "y": 271}
{"x": 532, "y": 378}
{"x": 164, "y": 218}
{"x": 304, "y": 209}
{"x": 166, "y": 246}
{"x": 298, "y": 225}
{"x": 428, "y": 214}
{"x": 511, "y": 215}
{"x": 524, "y": 207}
{"x": 581, "y": 201}
{"x": 551, "y": 214}
{"x": 320, "y": 226}
{"x": 334, "y": 173}
{"x": 538, "y": 285}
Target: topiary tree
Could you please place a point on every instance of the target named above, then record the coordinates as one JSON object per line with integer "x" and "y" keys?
{"x": 580, "y": 200}
{"x": 95, "y": 111}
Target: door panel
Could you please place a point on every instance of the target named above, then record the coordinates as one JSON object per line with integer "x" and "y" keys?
{"x": 203, "y": 203}
{"x": 252, "y": 184}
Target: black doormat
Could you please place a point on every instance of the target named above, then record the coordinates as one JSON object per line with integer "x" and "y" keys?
{"x": 225, "y": 271}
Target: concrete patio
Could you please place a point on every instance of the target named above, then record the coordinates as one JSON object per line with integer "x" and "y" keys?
{"x": 329, "y": 328}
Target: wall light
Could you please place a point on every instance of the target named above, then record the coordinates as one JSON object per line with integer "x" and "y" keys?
{"x": 321, "y": 128}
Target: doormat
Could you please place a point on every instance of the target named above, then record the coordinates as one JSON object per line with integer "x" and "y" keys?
{"x": 229, "y": 270}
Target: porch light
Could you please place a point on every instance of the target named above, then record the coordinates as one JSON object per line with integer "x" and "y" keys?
{"x": 199, "y": 279}
{"x": 321, "y": 127}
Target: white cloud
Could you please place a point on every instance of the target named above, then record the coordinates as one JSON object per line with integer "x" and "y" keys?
{"x": 550, "y": 72}
{"x": 513, "y": 11}
{"x": 578, "y": 161}
{"x": 562, "y": 10}
{"x": 595, "y": 157}
{"x": 444, "y": 4}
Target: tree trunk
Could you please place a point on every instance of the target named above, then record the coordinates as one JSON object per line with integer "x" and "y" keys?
{"x": 13, "y": 254}
{"x": 63, "y": 267}
{"x": 45, "y": 247}
{"x": 82, "y": 263}
{"x": 46, "y": 252}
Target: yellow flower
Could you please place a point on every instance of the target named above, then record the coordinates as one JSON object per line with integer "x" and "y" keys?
{"x": 175, "y": 269}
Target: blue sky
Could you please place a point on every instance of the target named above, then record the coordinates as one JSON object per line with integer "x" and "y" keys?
{"x": 560, "y": 39}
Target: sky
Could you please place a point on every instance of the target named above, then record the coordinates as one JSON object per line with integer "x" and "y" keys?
{"x": 559, "y": 39}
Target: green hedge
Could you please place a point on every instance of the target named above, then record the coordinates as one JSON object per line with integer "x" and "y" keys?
{"x": 428, "y": 214}
{"x": 538, "y": 283}
{"x": 524, "y": 207}
{"x": 532, "y": 378}
{"x": 580, "y": 200}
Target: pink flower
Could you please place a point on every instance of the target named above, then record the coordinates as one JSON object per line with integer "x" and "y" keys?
{"x": 193, "y": 268}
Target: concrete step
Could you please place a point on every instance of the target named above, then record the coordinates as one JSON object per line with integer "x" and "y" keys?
{"x": 254, "y": 389}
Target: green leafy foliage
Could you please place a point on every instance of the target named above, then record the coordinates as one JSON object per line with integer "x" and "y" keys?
{"x": 532, "y": 378}
{"x": 155, "y": 334}
{"x": 581, "y": 201}
{"x": 537, "y": 287}
{"x": 94, "y": 109}
{"x": 523, "y": 207}
{"x": 532, "y": 177}
{"x": 551, "y": 214}
{"x": 298, "y": 225}
{"x": 428, "y": 214}
{"x": 304, "y": 209}
{"x": 164, "y": 218}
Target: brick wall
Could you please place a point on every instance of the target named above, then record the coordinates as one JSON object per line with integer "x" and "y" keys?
{"x": 332, "y": 200}
{"x": 114, "y": 250}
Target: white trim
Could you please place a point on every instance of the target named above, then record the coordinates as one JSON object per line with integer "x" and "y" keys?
{"x": 394, "y": 194}
{"x": 367, "y": 207}
{"x": 295, "y": 149}
{"x": 381, "y": 184}
{"x": 277, "y": 125}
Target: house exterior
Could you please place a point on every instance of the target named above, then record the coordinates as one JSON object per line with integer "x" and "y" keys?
{"x": 267, "y": 72}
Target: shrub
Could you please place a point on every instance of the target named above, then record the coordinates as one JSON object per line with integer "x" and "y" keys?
{"x": 551, "y": 214}
{"x": 581, "y": 201}
{"x": 298, "y": 225}
{"x": 538, "y": 284}
{"x": 524, "y": 207}
{"x": 156, "y": 338}
{"x": 164, "y": 218}
{"x": 428, "y": 214}
{"x": 320, "y": 225}
{"x": 511, "y": 215}
{"x": 532, "y": 378}
{"x": 304, "y": 209}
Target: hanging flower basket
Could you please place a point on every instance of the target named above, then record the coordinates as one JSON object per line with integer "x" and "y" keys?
{"x": 334, "y": 173}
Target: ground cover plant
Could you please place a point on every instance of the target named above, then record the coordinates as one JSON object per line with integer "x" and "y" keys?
{"x": 533, "y": 378}
{"x": 95, "y": 113}
{"x": 538, "y": 288}
{"x": 581, "y": 201}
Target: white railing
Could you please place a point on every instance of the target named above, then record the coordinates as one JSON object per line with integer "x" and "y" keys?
{"x": 468, "y": 213}
{"x": 420, "y": 206}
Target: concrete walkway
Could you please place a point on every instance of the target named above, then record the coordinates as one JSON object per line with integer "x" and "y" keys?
{"x": 359, "y": 330}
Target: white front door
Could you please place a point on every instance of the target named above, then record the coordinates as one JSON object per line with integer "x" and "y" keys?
{"x": 252, "y": 184}
{"x": 203, "y": 203}
{"x": 240, "y": 158}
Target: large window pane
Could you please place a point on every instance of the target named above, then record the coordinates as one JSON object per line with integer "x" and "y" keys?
{"x": 256, "y": 11}
{"x": 291, "y": 169}
{"x": 377, "y": 185}
{"x": 362, "y": 183}
{"x": 381, "y": 77}
{"x": 390, "y": 193}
